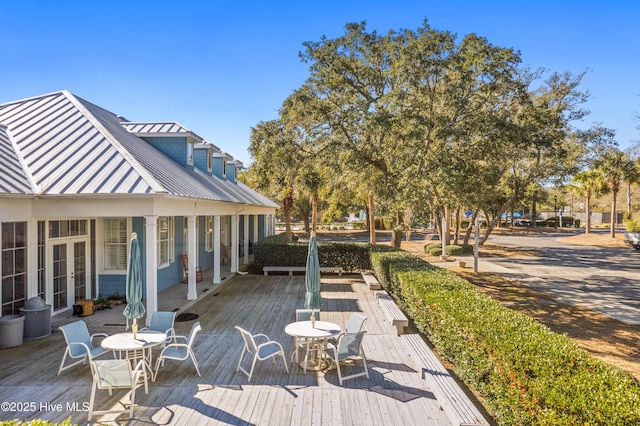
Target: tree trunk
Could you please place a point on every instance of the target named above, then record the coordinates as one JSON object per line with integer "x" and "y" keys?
{"x": 287, "y": 205}
{"x": 396, "y": 237}
{"x": 447, "y": 226}
{"x": 534, "y": 212}
{"x": 372, "y": 219}
{"x": 467, "y": 234}
{"x": 314, "y": 212}
{"x": 613, "y": 214}
{"x": 587, "y": 225}
{"x": 408, "y": 216}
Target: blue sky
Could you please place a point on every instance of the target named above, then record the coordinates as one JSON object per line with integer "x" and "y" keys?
{"x": 220, "y": 67}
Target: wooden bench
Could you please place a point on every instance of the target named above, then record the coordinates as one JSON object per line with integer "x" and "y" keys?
{"x": 452, "y": 399}
{"x": 395, "y": 316}
{"x": 292, "y": 269}
{"x": 371, "y": 280}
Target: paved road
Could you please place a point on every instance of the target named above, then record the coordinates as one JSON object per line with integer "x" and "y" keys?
{"x": 604, "y": 279}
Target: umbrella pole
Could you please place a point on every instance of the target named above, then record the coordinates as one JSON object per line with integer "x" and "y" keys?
{"x": 134, "y": 327}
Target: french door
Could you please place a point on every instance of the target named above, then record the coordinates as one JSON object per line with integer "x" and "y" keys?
{"x": 69, "y": 271}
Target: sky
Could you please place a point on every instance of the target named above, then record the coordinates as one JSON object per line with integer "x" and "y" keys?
{"x": 220, "y": 67}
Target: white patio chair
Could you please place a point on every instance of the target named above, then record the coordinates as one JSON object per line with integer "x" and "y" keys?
{"x": 180, "y": 351}
{"x": 116, "y": 374}
{"x": 354, "y": 325}
{"x": 79, "y": 344}
{"x": 267, "y": 349}
{"x": 301, "y": 342}
{"x": 349, "y": 347}
{"x": 163, "y": 322}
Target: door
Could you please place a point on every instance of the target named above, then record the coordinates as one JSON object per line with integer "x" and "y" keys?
{"x": 69, "y": 273}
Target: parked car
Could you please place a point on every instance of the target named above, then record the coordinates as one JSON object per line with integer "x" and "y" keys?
{"x": 633, "y": 239}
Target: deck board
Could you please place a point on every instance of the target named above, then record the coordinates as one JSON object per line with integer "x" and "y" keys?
{"x": 394, "y": 394}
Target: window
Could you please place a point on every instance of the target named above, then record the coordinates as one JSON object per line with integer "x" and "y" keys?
{"x": 67, "y": 228}
{"x": 165, "y": 241}
{"x": 224, "y": 168}
{"x": 115, "y": 244}
{"x": 208, "y": 233}
{"x": 189, "y": 153}
{"x": 14, "y": 266}
{"x": 209, "y": 161}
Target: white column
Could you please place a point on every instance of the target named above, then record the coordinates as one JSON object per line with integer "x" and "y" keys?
{"x": 151, "y": 259}
{"x": 234, "y": 243}
{"x": 192, "y": 294}
{"x": 246, "y": 240}
{"x": 273, "y": 224}
{"x": 32, "y": 257}
{"x": 255, "y": 228}
{"x": 216, "y": 249}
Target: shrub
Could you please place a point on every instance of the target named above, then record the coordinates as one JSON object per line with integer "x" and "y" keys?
{"x": 524, "y": 372}
{"x": 632, "y": 225}
{"x": 350, "y": 256}
{"x": 453, "y": 250}
{"x": 431, "y": 246}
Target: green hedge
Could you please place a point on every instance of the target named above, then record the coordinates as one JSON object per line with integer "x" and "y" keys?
{"x": 435, "y": 249}
{"x": 274, "y": 251}
{"x": 525, "y": 373}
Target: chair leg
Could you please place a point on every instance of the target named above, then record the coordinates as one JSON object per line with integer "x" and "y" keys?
{"x": 284, "y": 361}
{"x": 195, "y": 363}
{"x": 253, "y": 364}
{"x": 92, "y": 399}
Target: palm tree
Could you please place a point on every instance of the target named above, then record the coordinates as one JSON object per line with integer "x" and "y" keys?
{"x": 616, "y": 167}
{"x": 589, "y": 184}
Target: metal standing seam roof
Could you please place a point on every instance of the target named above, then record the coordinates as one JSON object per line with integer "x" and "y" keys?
{"x": 71, "y": 146}
{"x": 13, "y": 179}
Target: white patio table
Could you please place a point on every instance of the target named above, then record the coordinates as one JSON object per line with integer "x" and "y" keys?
{"x": 317, "y": 334}
{"x": 138, "y": 348}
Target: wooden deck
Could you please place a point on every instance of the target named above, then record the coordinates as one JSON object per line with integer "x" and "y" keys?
{"x": 395, "y": 394}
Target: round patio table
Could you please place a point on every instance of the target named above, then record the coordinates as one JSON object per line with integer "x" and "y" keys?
{"x": 316, "y": 336}
{"x": 138, "y": 348}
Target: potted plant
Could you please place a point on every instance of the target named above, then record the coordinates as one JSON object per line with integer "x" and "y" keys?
{"x": 632, "y": 236}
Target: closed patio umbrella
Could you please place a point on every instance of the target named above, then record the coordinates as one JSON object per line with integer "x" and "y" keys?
{"x": 135, "y": 308}
{"x": 312, "y": 299}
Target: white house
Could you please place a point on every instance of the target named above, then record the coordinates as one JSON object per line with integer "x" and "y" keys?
{"x": 76, "y": 180}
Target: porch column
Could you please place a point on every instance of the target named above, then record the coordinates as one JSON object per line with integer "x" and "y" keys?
{"x": 246, "y": 240}
{"x": 216, "y": 249}
{"x": 255, "y": 229}
{"x": 234, "y": 243}
{"x": 272, "y": 225}
{"x": 192, "y": 294}
{"x": 151, "y": 261}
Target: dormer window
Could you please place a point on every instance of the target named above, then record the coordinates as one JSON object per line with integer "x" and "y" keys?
{"x": 224, "y": 168}
{"x": 189, "y": 153}
{"x": 209, "y": 161}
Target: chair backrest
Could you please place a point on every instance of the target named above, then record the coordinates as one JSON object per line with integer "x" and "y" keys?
{"x": 355, "y": 323}
{"x": 185, "y": 261}
{"x": 162, "y": 321}
{"x": 305, "y": 314}
{"x": 76, "y": 332}
{"x": 249, "y": 342}
{"x": 195, "y": 329}
{"x": 349, "y": 344}
{"x": 112, "y": 373}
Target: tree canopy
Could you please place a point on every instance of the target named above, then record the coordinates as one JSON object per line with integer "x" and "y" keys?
{"x": 423, "y": 121}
